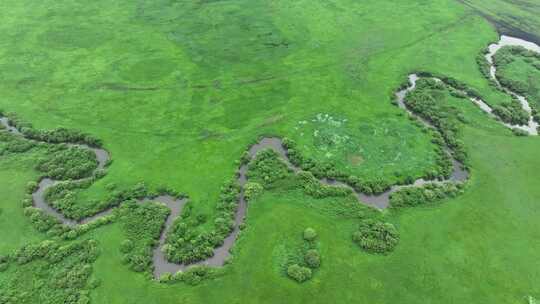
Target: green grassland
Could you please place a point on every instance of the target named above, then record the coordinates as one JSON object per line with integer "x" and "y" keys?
{"x": 177, "y": 90}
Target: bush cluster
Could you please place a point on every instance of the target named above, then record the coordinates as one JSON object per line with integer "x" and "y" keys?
{"x": 376, "y": 236}
{"x": 10, "y": 143}
{"x": 4, "y": 263}
{"x": 62, "y": 275}
{"x": 252, "y": 190}
{"x": 187, "y": 242}
{"x": 429, "y": 193}
{"x": 193, "y": 275}
{"x": 512, "y": 113}
{"x": 266, "y": 168}
{"x": 44, "y": 222}
{"x": 68, "y": 162}
{"x": 301, "y": 268}
{"x": 315, "y": 188}
{"x": 142, "y": 225}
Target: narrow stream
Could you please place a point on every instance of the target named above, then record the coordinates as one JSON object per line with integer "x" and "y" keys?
{"x": 380, "y": 201}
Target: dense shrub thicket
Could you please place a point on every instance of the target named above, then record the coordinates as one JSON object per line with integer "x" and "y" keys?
{"x": 188, "y": 241}
{"x": 14, "y": 144}
{"x": 315, "y": 188}
{"x": 305, "y": 261}
{"x": 429, "y": 193}
{"x": 142, "y": 225}
{"x": 252, "y": 190}
{"x": 61, "y": 276}
{"x": 267, "y": 168}
{"x": 193, "y": 275}
{"x": 44, "y": 222}
{"x": 68, "y": 162}
{"x": 376, "y": 237}
{"x": 512, "y": 112}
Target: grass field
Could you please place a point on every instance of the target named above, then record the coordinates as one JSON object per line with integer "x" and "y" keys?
{"x": 177, "y": 90}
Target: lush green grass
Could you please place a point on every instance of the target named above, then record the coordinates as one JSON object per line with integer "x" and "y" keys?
{"x": 16, "y": 173}
{"x": 177, "y": 90}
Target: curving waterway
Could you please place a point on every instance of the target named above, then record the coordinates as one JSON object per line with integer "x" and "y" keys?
{"x": 221, "y": 254}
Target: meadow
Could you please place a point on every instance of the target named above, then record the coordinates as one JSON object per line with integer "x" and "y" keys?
{"x": 177, "y": 90}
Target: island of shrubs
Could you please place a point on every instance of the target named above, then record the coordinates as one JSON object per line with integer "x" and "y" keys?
{"x": 375, "y": 236}
{"x": 302, "y": 266}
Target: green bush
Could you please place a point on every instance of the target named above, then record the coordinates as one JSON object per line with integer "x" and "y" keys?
{"x": 299, "y": 273}
{"x": 126, "y": 246}
{"x": 310, "y": 234}
{"x": 267, "y": 168}
{"x": 252, "y": 190}
{"x": 429, "y": 193}
{"x": 376, "y": 237}
{"x": 312, "y": 258}
{"x": 68, "y": 162}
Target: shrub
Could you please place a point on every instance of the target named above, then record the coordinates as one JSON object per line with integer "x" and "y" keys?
{"x": 31, "y": 187}
{"x": 299, "y": 273}
{"x": 267, "y": 168}
{"x": 3, "y": 266}
{"x": 376, "y": 237}
{"x": 252, "y": 190}
{"x": 312, "y": 258}
{"x": 310, "y": 234}
{"x": 520, "y": 132}
{"x": 126, "y": 246}
{"x": 429, "y": 193}
{"x": 196, "y": 274}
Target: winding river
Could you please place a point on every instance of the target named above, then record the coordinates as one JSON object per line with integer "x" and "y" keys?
{"x": 161, "y": 265}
